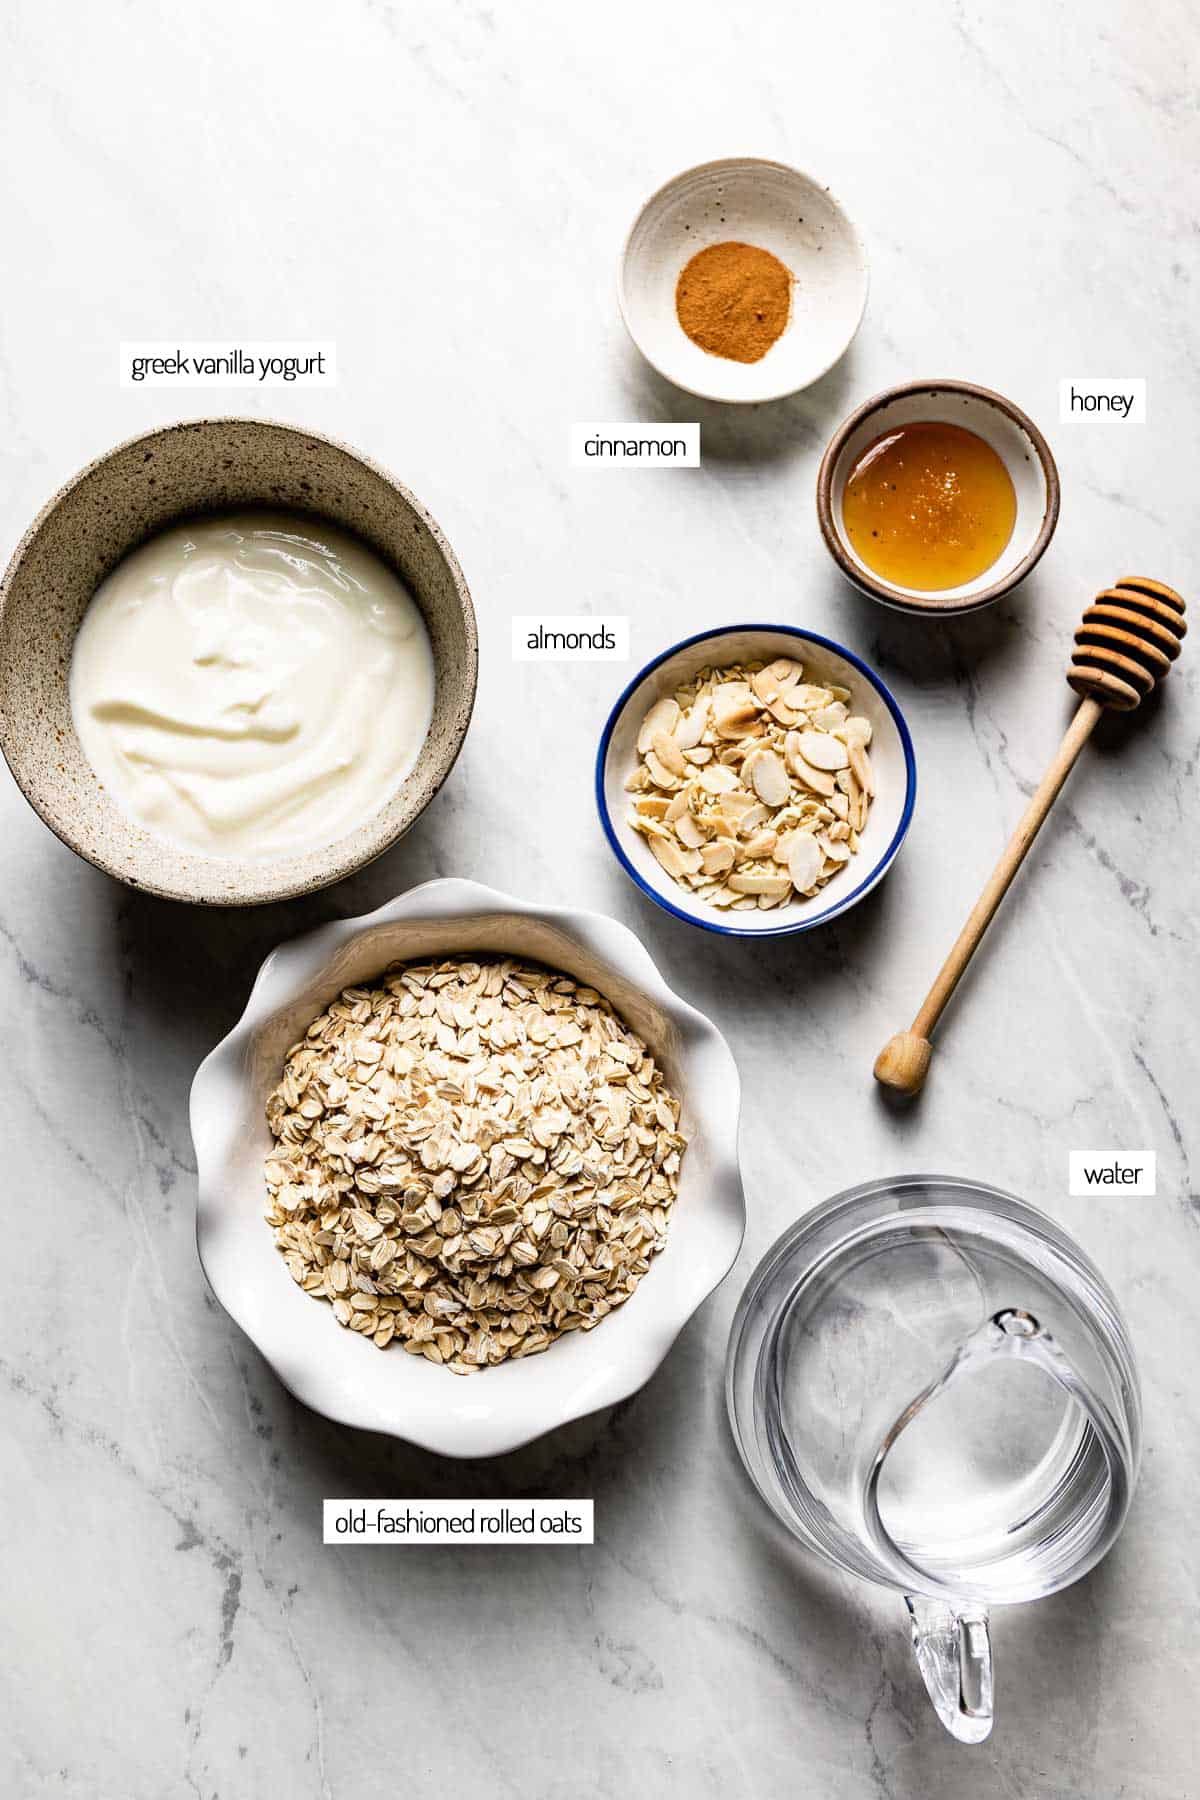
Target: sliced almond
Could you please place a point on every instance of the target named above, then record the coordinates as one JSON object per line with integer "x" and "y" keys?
{"x": 766, "y": 685}
{"x": 775, "y": 885}
{"x": 859, "y": 728}
{"x": 699, "y": 756}
{"x": 815, "y": 779}
{"x": 733, "y": 708}
{"x": 831, "y": 717}
{"x": 804, "y": 861}
{"x": 668, "y": 753}
{"x": 857, "y": 817}
{"x": 840, "y": 805}
{"x": 808, "y": 697}
{"x": 822, "y": 750}
{"x": 860, "y": 762}
{"x": 775, "y": 687}
{"x": 717, "y": 779}
{"x": 737, "y": 803}
{"x": 819, "y": 780}
{"x": 689, "y": 833}
{"x": 770, "y": 779}
{"x": 660, "y": 776}
{"x": 761, "y": 844}
{"x": 835, "y": 850}
{"x": 675, "y": 860}
{"x": 690, "y": 729}
{"x": 717, "y": 857}
{"x": 752, "y": 819}
{"x": 653, "y": 806}
{"x": 678, "y": 806}
{"x": 663, "y": 716}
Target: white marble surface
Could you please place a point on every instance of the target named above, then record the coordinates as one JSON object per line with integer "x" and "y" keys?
{"x": 444, "y": 189}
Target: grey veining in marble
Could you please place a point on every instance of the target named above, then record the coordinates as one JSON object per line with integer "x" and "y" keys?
{"x": 444, "y": 190}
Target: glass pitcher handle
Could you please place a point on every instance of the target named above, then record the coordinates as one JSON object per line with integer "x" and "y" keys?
{"x": 951, "y": 1637}
{"x": 954, "y": 1654}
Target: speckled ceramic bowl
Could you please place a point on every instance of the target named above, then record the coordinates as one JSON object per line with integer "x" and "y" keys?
{"x": 1015, "y": 439}
{"x": 755, "y": 201}
{"x": 198, "y": 466}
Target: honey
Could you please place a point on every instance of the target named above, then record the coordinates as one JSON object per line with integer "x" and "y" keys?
{"x": 929, "y": 506}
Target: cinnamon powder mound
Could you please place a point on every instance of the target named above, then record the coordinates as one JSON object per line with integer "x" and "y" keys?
{"x": 734, "y": 300}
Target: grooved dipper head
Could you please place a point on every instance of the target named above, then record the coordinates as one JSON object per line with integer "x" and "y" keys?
{"x": 1130, "y": 636}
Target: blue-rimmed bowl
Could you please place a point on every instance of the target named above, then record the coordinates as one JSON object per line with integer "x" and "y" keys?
{"x": 824, "y": 661}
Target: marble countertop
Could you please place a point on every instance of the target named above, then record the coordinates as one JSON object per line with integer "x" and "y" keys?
{"x": 444, "y": 191}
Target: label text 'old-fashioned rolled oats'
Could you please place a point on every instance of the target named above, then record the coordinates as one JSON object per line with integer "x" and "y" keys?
{"x": 230, "y": 363}
{"x": 459, "y": 1521}
{"x": 635, "y": 445}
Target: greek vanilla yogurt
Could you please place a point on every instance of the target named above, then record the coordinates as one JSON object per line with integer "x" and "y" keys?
{"x": 254, "y": 684}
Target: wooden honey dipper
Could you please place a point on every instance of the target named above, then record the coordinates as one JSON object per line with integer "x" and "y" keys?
{"x": 1130, "y": 636}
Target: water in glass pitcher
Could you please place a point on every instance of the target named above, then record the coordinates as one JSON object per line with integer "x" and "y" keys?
{"x": 922, "y": 1402}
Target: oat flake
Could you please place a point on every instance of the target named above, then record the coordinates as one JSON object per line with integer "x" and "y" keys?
{"x": 471, "y": 1158}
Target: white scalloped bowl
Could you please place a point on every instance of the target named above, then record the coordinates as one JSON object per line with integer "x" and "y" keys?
{"x": 341, "y": 1374}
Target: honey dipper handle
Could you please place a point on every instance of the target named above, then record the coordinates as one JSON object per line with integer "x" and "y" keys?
{"x": 903, "y": 1062}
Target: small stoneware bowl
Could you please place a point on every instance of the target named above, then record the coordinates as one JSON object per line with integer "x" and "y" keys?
{"x": 892, "y": 759}
{"x": 1016, "y": 440}
{"x": 113, "y": 505}
{"x": 775, "y": 208}
{"x": 339, "y": 1373}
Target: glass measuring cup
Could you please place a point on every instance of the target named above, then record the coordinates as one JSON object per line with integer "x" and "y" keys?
{"x": 932, "y": 1386}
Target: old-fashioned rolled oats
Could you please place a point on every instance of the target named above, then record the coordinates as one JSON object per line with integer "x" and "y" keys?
{"x": 752, "y": 785}
{"x": 471, "y": 1158}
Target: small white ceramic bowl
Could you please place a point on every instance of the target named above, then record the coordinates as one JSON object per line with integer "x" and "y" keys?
{"x": 1010, "y": 432}
{"x": 892, "y": 758}
{"x": 340, "y": 1374}
{"x": 775, "y": 208}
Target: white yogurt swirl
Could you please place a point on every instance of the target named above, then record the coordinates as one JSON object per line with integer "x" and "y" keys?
{"x": 252, "y": 684}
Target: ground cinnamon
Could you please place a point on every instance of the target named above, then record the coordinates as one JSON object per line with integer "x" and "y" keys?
{"x": 734, "y": 300}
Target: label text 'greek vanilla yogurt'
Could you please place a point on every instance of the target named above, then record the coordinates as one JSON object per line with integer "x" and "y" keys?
{"x": 459, "y": 1521}
{"x": 558, "y": 638}
{"x": 1112, "y": 1172}
{"x": 230, "y": 363}
{"x": 1102, "y": 399}
{"x": 635, "y": 446}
